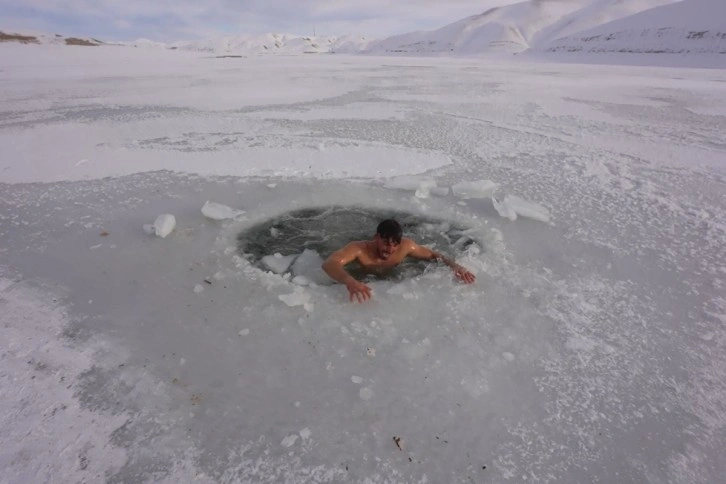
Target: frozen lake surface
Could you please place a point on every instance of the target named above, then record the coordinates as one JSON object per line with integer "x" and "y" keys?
{"x": 592, "y": 347}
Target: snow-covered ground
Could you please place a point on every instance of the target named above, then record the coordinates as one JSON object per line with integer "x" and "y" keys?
{"x": 591, "y": 348}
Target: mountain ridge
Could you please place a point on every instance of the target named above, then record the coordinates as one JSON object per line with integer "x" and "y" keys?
{"x": 31, "y": 37}
{"x": 512, "y": 28}
{"x": 690, "y": 26}
{"x": 532, "y": 26}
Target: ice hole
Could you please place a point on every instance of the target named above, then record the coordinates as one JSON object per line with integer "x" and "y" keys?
{"x": 320, "y": 231}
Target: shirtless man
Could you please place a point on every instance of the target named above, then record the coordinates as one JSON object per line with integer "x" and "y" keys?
{"x": 386, "y": 250}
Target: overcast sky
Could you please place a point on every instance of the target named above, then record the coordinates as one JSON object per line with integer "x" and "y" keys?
{"x": 169, "y": 20}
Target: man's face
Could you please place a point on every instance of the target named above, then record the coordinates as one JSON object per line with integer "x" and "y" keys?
{"x": 385, "y": 247}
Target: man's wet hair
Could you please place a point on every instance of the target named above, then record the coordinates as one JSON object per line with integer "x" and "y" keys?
{"x": 390, "y": 230}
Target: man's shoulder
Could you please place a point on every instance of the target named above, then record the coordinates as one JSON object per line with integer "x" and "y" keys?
{"x": 355, "y": 246}
{"x": 408, "y": 243}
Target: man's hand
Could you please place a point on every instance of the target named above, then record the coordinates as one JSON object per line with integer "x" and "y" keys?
{"x": 358, "y": 290}
{"x": 464, "y": 275}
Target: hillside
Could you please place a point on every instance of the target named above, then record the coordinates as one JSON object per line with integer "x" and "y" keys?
{"x": 691, "y": 26}
{"x": 27, "y": 37}
{"x": 244, "y": 44}
{"x": 513, "y": 28}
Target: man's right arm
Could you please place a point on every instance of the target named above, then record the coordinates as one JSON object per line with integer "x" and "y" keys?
{"x": 421, "y": 252}
{"x": 334, "y": 266}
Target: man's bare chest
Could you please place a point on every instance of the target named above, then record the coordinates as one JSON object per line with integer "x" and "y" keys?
{"x": 373, "y": 263}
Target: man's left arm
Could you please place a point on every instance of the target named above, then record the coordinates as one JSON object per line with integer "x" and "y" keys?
{"x": 424, "y": 253}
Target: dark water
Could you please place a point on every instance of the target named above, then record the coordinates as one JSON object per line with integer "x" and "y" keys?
{"x": 326, "y": 229}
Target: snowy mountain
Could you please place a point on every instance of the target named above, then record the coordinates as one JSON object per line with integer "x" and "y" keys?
{"x": 514, "y": 28}
{"x": 146, "y": 44}
{"x": 31, "y": 37}
{"x": 244, "y": 44}
{"x": 691, "y": 26}
{"x": 351, "y": 44}
{"x": 261, "y": 44}
{"x": 270, "y": 43}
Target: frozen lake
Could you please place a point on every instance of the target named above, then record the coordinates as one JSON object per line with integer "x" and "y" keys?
{"x": 592, "y": 347}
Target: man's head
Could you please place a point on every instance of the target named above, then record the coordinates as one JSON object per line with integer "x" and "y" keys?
{"x": 388, "y": 237}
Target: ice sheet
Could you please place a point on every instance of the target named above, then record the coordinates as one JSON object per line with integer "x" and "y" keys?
{"x": 580, "y": 339}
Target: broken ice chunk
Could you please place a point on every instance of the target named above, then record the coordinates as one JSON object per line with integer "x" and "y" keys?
{"x": 475, "y": 189}
{"x": 463, "y": 242}
{"x": 301, "y": 281}
{"x": 299, "y": 297}
{"x": 309, "y": 264}
{"x": 504, "y": 209}
{"x": 164, "y": 224}
{"x": 439, "y": 191}
{"x": 528, "y": 209}
{"x": 424, "y": 189}
{"x": 408, "y": 183}
{"x": 289, "y": 441}
{"x": 217, "y": 211}
{"x": 278, "y": 263}
{"x": 512, "y": 206}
